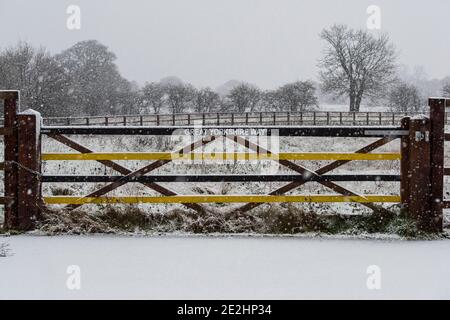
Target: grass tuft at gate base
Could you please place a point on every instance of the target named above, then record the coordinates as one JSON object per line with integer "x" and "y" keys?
{"x": 274, "y": 219}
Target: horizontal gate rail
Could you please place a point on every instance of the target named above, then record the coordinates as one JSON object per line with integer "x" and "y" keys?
{"x": 221, "y": 156}
{"x": 221, "y": 199}
{"x": 338, "y": 131}
{"x": 222, "y": 178}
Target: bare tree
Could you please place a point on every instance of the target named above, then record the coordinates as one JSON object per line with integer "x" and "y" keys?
{"x": 37, "y": 75}
{"x": 297, "y": 96}
{"x": 152, "y": 97}
{"x": 405, "y": 98}
{"x": 446, "y": 90}
{"x": 356, "y": 64}
{"x": 206, "y": 100}
{"x": 179, "y": 96}
{"x": 244, "y": 97}
{"x": 271, "y": 100}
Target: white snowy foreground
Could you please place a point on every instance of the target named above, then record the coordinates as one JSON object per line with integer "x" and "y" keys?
{"x": 187, "y": 267}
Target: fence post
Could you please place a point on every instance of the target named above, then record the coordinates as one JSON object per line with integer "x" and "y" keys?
{"x": 419, "y": 207}
{"x": 437, "y": 128}
{"x": 29, "y": 169}
{"x": 405, "y": 166}
{"x": 11, "y": 107}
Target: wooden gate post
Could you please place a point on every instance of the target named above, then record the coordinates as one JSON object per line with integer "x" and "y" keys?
{"x": 29, "y": 169}
{"x": 419, "y": 207}
{"x": 437, "y": 128}
{"x": 11, "y": 107}
{"x": 405, "y": 170}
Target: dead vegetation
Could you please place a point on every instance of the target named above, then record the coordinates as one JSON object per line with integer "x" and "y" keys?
{"x": 269, "y": 219}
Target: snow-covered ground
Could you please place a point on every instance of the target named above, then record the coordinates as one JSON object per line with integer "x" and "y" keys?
{"x": 220, "y": 268}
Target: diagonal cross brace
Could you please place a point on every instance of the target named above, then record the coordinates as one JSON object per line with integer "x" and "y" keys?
{"x": 128, "y": 173}
{"x": 293, "y": 166}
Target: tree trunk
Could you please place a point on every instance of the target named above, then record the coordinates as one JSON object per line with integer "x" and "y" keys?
{"x": 352, "y": 102}
{"x": 358, "y": 103}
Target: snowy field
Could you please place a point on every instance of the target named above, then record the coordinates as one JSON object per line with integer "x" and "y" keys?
{"x": 183, "y": 267}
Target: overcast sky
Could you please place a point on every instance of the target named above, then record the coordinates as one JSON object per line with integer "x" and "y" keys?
{"x": 207, "y": 42}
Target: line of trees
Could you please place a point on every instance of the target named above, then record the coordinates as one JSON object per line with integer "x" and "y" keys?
{"x": 85, "y": 80}
{"x": 180, "y": 97}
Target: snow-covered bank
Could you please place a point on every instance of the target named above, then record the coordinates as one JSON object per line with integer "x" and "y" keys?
{"x": 216, "y": 268}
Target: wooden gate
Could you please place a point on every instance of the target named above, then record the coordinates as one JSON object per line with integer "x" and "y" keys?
{"x": 421, "y": 156}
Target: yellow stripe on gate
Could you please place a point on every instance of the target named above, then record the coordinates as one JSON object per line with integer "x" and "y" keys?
{"x": 221, "y": 199}
{"x": 222, "y": 156}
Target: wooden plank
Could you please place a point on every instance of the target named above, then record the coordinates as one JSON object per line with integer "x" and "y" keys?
{"x": 29, "y": 170}
{"x": 405, "y": 185}
{"x": 174, "y": 156}
{"x": 220, "y": 178}
{"x": 11, "y": 108}
{"x": 437, "y": 127}
{"x": 312, "y": 131}
{"x": 221, "y": 199}
{"x": 419, "y": 155}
